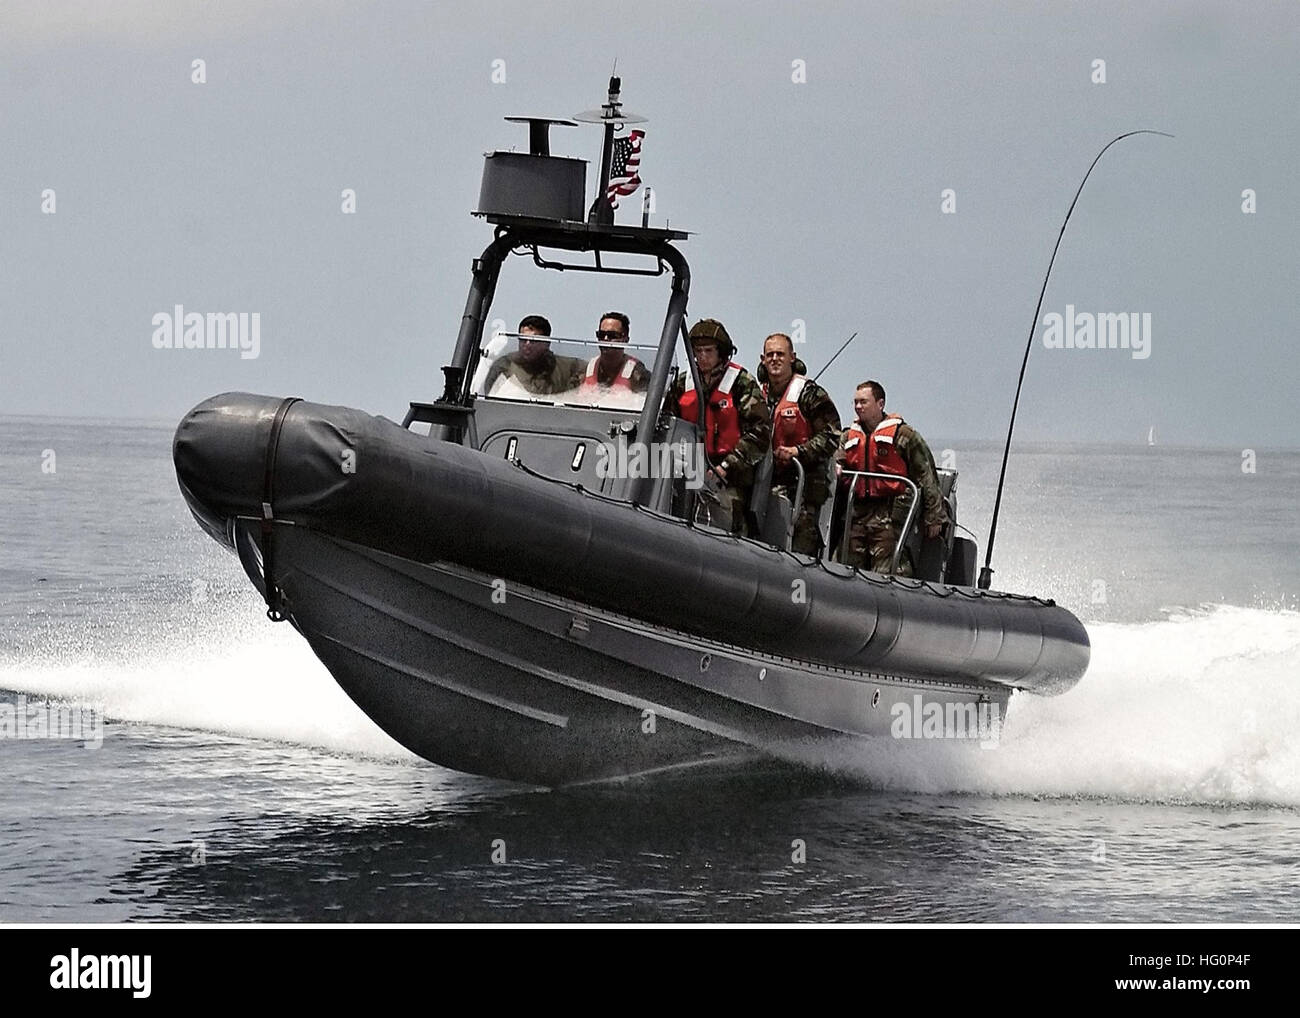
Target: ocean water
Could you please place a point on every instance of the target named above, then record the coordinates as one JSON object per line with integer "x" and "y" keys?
{"x": 232, "y": 780}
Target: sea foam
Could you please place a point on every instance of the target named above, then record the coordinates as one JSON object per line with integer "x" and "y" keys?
{"x": 1201, "y": 707}
{"x": 239, "y": 676}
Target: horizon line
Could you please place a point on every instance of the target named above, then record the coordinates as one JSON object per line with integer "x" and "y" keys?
{"x": 1135, "y": 443}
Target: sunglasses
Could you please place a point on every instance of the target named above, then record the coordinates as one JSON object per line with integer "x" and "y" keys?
{"x": 606, "y": 334}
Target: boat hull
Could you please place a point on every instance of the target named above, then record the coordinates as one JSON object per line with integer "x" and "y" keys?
{"x": 502, "y": 623}
{"x": 539, "y": 689}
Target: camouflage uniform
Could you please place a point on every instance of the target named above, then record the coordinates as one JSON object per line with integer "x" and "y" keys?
{"x": 878, "y": 522}
{"x": 550, "y": 375}
{"x": 814, "y": 456}
{"x": 755, "y": 436}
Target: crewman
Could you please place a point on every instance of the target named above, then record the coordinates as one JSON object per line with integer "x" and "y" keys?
{"x": 737, "y": 424}
{"x": 533, "y": 366}
{"x": 806, "y": 427}
{"x": 882, "y": 443}
{"x": 613, "y": 369}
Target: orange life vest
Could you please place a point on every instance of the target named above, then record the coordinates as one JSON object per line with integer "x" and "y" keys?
{"x": 789, "y": 425}
{"x": 623, "y": 380}
{"x": 876, "y": 454}
{"x": 721, "y": 417}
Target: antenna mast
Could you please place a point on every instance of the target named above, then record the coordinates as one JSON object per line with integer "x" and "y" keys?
{"x": 613, "y": 117}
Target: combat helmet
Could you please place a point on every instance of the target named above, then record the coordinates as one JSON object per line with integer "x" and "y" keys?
{"x": 712, "y": 330}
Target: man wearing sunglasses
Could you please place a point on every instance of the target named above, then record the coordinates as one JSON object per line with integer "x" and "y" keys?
{"x": 614, "y": 369}
{"x": 805, "y": 427}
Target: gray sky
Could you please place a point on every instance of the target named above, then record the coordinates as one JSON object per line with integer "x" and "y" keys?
{"x": 817, "y": 201}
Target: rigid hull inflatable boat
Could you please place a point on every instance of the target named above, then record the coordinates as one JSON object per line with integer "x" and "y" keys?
{"x": 502, "y": 602}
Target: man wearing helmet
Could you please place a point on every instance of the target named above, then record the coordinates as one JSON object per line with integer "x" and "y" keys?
{"x": 737, "y": 426}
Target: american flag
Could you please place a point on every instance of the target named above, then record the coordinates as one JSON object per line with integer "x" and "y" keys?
{"x": 624, "y": 166}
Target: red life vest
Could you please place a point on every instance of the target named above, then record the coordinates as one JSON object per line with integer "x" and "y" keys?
{"x": 789, "y": 426}
{"x": 623, "y": 380}
{"x": 876, "y": 455}
{"x": 721, "y": 418}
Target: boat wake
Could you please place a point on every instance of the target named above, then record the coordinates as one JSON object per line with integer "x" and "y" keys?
{"x": 1201, "y": 707}
{"x": 239, "y": 676}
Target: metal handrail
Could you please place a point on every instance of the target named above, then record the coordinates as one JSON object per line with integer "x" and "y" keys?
{"x": 798, "y": 502}
{"x": 546, "y": 263}
{"x": 848, "y": 511}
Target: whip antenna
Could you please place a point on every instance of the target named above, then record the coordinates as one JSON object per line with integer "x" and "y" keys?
{"x": 834, "y": 355}
{"x": 986, "y": 573}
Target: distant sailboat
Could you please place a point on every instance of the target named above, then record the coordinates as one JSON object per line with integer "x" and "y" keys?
{"x": 1151, "y": 436}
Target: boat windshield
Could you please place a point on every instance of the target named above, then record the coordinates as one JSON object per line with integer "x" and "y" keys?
{"x": 569, "y": 372}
